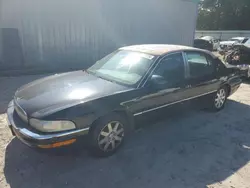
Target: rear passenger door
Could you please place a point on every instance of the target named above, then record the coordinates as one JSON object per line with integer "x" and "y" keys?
{"x": 201, "y": 73}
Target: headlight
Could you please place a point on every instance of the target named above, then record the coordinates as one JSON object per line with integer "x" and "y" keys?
{"x": 52, "y": 126}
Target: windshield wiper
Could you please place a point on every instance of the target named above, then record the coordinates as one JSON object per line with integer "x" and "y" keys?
{"x": 97, "y": 75}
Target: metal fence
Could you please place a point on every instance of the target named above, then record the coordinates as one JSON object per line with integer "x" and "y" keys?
{"x": 73, "y": 34}
{"x": 222, "y": 35}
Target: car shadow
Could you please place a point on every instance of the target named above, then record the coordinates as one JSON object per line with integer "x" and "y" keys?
{"x": 189, "y": 149}
{"x": 9, "y": 85}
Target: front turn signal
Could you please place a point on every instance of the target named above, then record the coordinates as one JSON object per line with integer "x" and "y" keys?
{"x": 57, "y": 144}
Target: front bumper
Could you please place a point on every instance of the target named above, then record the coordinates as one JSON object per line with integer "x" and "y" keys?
{"x": 42, "y": 140}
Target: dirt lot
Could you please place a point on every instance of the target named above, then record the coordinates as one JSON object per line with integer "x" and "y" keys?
{"x": 196, "y": 149}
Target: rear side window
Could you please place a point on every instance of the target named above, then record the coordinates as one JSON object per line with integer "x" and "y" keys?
{"x": 199, "y": 65}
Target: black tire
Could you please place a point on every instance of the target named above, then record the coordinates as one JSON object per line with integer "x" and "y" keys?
{"x": 110, "y": 138}
{"x": 219, "y": 99}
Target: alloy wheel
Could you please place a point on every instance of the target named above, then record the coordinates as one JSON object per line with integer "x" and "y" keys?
{"x": 111, "y": 136}
{"x": 220, "y": 98}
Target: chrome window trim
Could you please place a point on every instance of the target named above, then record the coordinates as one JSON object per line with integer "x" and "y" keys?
{"x": 165, "y": 105}
{"x": 157, "y": 63}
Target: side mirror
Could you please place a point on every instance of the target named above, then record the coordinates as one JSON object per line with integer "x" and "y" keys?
{"x": 157, "y": 80}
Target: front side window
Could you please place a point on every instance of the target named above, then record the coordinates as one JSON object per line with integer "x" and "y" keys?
{"x": 124, "y": 67}
{"x": 171, "y": 68}
{"x": 199, "y": 65}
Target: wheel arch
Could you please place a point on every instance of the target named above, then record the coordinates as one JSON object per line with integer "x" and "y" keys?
{"x": 120, "y": 111}
{"x": 129, "y": 117}
{"x": 228, "y": 86}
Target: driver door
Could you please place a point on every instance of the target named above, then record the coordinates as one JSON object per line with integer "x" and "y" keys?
{"x": 166, "y": 85}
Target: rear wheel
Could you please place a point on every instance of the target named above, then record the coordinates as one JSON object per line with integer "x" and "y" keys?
{"x": 219, "y": 99}
{"x": 108, "y": 135}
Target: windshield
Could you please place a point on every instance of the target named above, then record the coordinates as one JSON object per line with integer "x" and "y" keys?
{"x": 125, "y": 67}
{"x": 247, "y": 43}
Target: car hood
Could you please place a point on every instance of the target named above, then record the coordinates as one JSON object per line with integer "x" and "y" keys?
{"x": 51, "y": 94}
{"x": 227, "y": 42}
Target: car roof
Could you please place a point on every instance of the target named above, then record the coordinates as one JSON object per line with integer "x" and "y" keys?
{"x": 239, "y": 38}
{"x": 200, "y": 39}
{"x": 207, "y": 38}
{"x": 158, "y": 49}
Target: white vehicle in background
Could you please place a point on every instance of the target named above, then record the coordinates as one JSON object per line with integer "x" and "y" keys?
{"x": 213, "y": 41}
{"x": 239, "y": 57}
{"x": 235, "y": 40}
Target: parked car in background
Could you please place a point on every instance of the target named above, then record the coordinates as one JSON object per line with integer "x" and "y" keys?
{"x": 229, "y": 44}
{"x": 103, "y": 101}
{"x": 239, "y": 56}
{"x": 215, "y": 42}
{"x": 203, "y": 44}
{"x": 207, "y": 43}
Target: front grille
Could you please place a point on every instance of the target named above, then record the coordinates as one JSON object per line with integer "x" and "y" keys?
{"x": 21, "y": 113}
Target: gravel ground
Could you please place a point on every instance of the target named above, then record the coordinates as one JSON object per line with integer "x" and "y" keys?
{"x": 196, "y": 149}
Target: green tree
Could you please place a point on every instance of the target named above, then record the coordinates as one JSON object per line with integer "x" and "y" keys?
{"x": 224, "y": 15}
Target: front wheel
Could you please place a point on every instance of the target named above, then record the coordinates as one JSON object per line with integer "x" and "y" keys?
{"x": 107, "y": 135}
{"x": 219, "y": 99}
